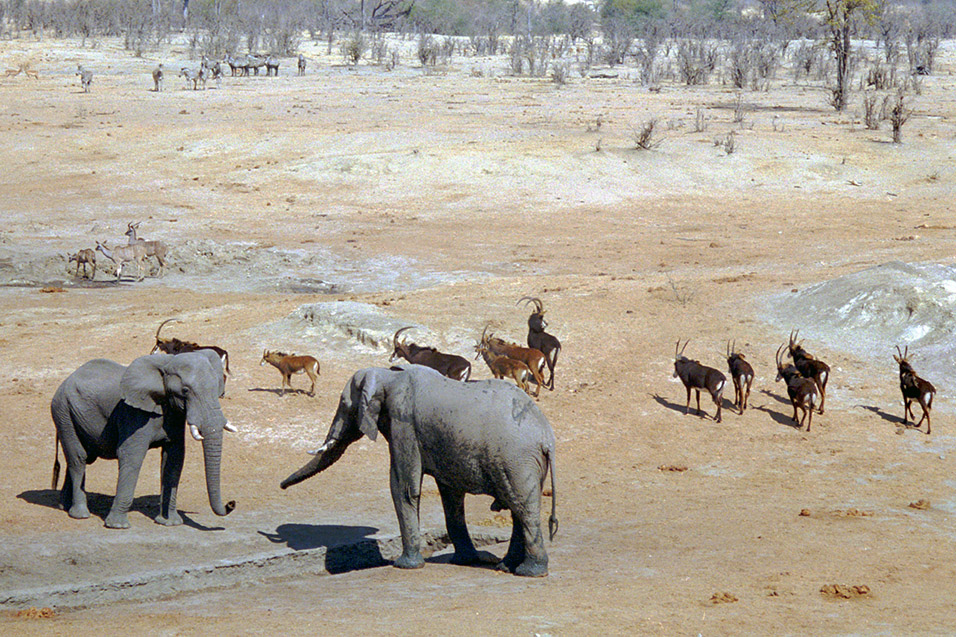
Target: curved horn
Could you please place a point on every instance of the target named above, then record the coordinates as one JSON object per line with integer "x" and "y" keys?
{"x": 538, "y": 305}
{"x": 676, "y": 348}
{"x": 900, "y": 352}
{"x": 158, "y": 329}
{"x": 777, "y": 357}
{"x": 399, "y": 331}
{"x": 484, "y": 333}
{"x": 684, "y": 347}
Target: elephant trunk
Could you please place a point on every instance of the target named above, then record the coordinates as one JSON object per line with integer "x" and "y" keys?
{"x": 332, "y": 451}
{"x": 212, "y": 456}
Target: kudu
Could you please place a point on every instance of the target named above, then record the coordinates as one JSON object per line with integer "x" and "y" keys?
{"x": 153, "y": 248}
{"x": 801, "y": 390}
{"x": 176, "y": 346}
{"x": 540, "y": 340}
{"x": 696, "y": 376}
{"x": 120, "y": 255}
{"x": 289, "y": 364}
{"x": 742, "y": 374}
{"x": 809, "y": 367}
{"x": 450, "y": 365}
{"x": 84, "y": 257}
{"x": 914, "y": 388}
{"x": 504, "y": 367}
{"x": 531, "y": 357}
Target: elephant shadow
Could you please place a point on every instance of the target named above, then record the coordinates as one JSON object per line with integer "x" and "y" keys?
{"x": 99, "y": 505}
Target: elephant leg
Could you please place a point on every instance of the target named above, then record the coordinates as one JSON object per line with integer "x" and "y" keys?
{"x": 528, "y": 524}
{"x": 516, "y": 548}
{"x": 406, "y": 485}
{"x": 130, "y": 462}
{"x": 73, "y": 497}
{"x": 453, "y": 502}
{"x": 171, "y": 469}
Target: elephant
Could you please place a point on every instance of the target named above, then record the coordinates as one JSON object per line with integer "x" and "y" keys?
{"x": 106, "y": 410}
{"x": 482, "y": 437}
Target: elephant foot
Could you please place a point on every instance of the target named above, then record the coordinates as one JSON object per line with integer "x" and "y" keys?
{"x": 80, "y": 512}
{"x": 116, "y": 521}
{"x": 466, "y": 558}
{"x": 410, "y": 561}
{"x": 172, "y": 520}
{"x": 530, "y": 568}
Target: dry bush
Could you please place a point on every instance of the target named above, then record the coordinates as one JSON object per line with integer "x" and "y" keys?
{"x": 644, "y": 137}
{"x": 899, "y": 114}
{"x": 871, "y": 118}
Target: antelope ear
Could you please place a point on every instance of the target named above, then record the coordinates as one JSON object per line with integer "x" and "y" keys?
{"x": 897, "y": 358}
{"x": 142, "y": 385}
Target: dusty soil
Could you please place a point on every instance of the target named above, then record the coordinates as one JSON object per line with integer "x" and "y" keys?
{"x": 439, "y": 199}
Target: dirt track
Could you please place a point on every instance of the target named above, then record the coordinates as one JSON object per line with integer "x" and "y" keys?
{"x": 439, "y": 199}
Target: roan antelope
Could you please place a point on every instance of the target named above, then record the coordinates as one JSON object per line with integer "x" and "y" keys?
{"x": 914, "y": 388}
{"x": 531, "y": 357}
{"x": 696, "y": 376}
{"x": 289, "y": 364}
{"x": 504, "y": 367}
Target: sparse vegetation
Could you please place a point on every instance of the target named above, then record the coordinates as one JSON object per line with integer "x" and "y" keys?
{"x": 644, "y": 138}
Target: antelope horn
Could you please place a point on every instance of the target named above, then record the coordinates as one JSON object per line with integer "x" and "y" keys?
{"x": 777, "y": 357}
{"x": 399, "y": 331}
{"x": 158, "y": 329}
{"x": 684, "y": 347}
{"x": 676, "y": 348}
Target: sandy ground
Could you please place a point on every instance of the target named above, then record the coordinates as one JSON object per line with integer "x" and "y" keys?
{"x": 439, "y": 199}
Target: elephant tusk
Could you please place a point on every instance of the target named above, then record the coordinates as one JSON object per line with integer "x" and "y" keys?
{"x": 194, "y": 430}
{"x": 230, "y": 427}
{"x": 321, "y": 449}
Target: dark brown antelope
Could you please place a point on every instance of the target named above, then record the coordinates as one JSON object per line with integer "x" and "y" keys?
{"x": 533, "y": 358}
{"x": 809, "y": 367}
{"x": 289, "y": 364}
{"x": 801, "y": 390}
{"x": 742, "y": 374}
{"x": 450, "y": 365}
{"x": 540, "y": 340}
{"x": 914, "y": 388}
{"x": 504, "y": 367}
{"x": 84, "y": 257}
{"x": 696, "y": 376}
{"x": 176, "y": 346}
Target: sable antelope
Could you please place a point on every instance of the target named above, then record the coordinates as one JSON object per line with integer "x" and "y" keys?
{"x": 504, "y": 367}
{"x": 742, "y": 374}
{"x": 809, "y": 367}
{"x": 540, "y": 340}
{"x": 450, "y": 365}
{"x": 289, "y": 364}
{"x": 914, "y": 388}
{"x": 176, "y": 346}
{"x": 801, "y": 390}
{"x": 696, "y": 376}
{"x": 531, "y": 357}
{"x": 84, "y": 256}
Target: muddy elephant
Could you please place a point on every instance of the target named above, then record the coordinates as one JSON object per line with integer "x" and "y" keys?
{"x": 484, "y": 437}
{"x": 106, "y": 410}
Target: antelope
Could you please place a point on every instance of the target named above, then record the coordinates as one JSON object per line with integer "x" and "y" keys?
{"x": 742, "y": 374}
{"x": 504, "y": 367}
{"x": 809, "y": 367}
{"x": 176, "y": 346}
{"x": 272, "y": 66}
{"x": 86, "y": 77}
{"x": 696, "y": 376}
{"x": 450, "y": 365}
{"x": 120, "y": 255}
{"x": 235, "y": 65}
{"x": 540, "y": 340}
{"x": 84, "y": 256}
{"x": 914, "y": 388}
{"x": 158, "y": 78}
{"x": 801, "y": 390}
{"x": 153, "y": 248}
{"x": 533, "y": 358}
{"x": 196, "y": 77}
{"x": 301, "y": 64}
{"x": 289, "y": 364}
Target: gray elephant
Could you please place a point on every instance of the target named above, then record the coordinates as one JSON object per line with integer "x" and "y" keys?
{"x": 483, "y": 437}
{"x": 106, "y": 410}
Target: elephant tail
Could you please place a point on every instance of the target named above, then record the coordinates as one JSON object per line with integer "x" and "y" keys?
{"x": 56, "y": 461}
{"x": 553, "y": 520}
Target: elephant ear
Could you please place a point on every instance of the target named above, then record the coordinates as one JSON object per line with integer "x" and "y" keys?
{"x": 142, "y": 384}
{"x": 370, "y": 405}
